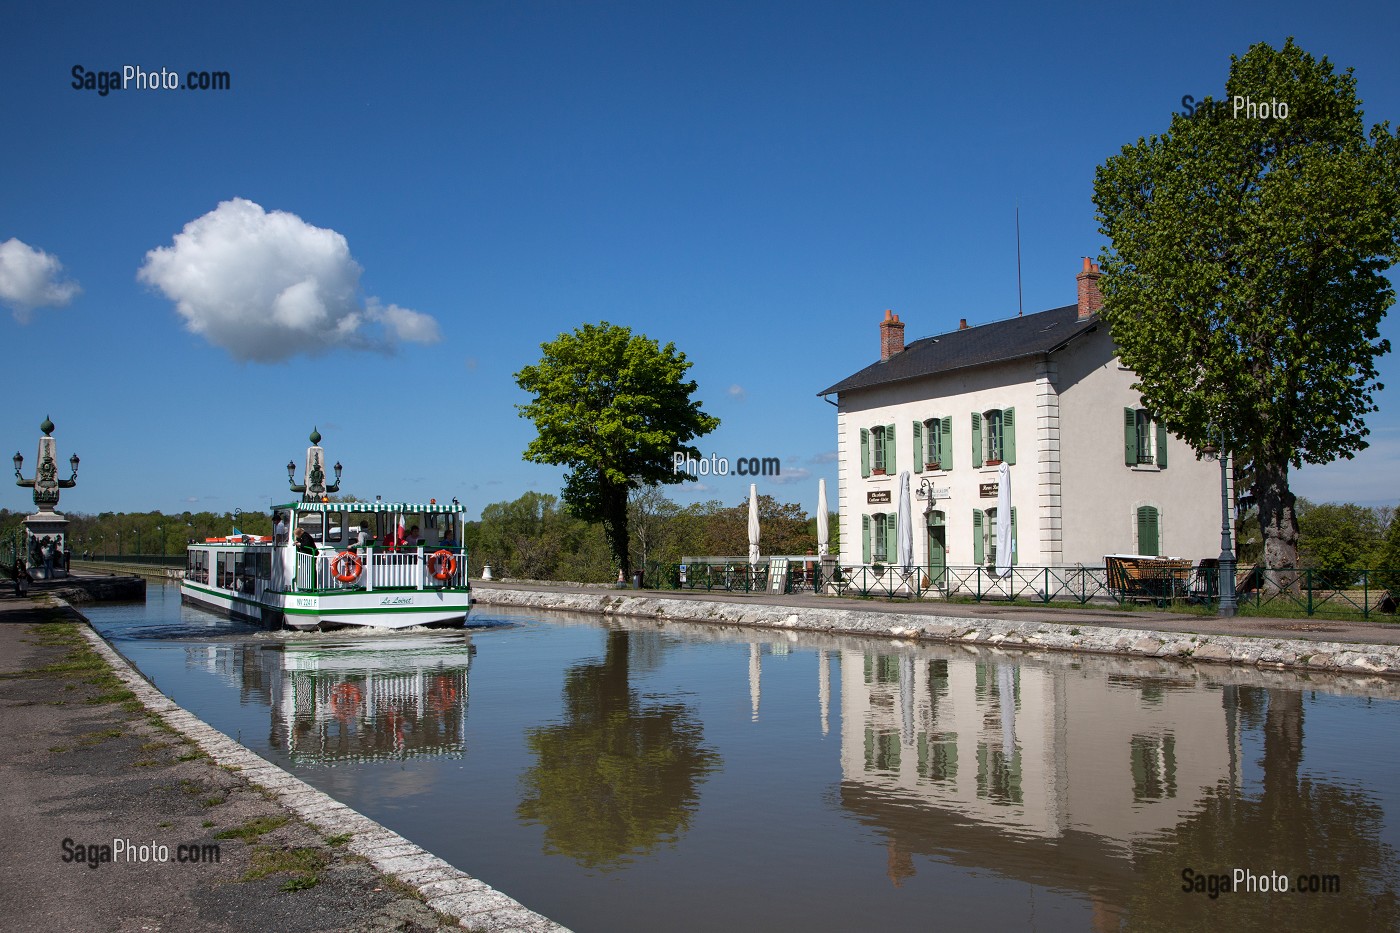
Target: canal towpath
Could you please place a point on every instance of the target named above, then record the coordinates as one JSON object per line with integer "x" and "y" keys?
{"x": 1309, "y": 644}
{"x": 94, "y": 754}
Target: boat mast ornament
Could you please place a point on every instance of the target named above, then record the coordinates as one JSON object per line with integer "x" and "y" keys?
{"x": 315, "y": 488}
{"x": 46, "y": 484}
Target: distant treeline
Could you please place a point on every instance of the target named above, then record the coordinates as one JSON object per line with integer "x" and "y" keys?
{"x": 535, "y": 537}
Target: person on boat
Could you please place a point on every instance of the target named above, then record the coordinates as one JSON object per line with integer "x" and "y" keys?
{"x": 363, "y": 537}
{"x": 414, "y": 538}
{"x": 279, "y": 528}
{"x": 447, "y": 540}
{"x": 305, "y": 543}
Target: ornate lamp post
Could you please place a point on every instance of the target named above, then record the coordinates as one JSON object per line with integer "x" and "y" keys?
{"x": 315, "y": 487}
{"x": 44, "y": 531}
{"x": 1228, "y": 603}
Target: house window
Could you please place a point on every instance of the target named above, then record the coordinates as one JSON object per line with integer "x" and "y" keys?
{"x": 877, "y": 450}
{"x": 1149, "y": 522}
{"x": 933, "y": 447}
{"x": 879, "y": 544}
{"x": 1144, "y": 439}
{"x": 984, "y": 537}
{"x": 994, "y": 436}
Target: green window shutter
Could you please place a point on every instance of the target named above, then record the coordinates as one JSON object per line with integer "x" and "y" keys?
{"x": 945, "y": 451}
{"x": 1015, "y": 550}
{"x": 864, "y": 452}
{"x": 1148, "y": 531}
{"x": 1161, "y": 445}
{"x": 1130, "y": 436}
{"x": 976, "y": 439}
{"x": 891, "y": 464}
{"x": 918, "y": 447}
{"x": 892, "y": 537}
{"x": 1008, "y": 435}
{"x": 865, "y": 539}
{"x": 978, "y": 554}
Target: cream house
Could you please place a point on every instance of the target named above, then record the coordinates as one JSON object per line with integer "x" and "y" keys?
{"x": 1091, "y": 473}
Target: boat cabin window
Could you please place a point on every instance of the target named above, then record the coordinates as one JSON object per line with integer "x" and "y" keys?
{"x": 198, "y": 569}
{"x": 336, "y": 529}
{"x": 226, "y": 571}
{"x": 314, "y": 523}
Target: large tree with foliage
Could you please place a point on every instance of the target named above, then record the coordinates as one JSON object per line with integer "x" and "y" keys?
{"x": 613, "y": 407}
{"x": 1243, "y": 280}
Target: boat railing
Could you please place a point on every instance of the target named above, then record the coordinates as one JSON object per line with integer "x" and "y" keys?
{"x": 388, "y": 568}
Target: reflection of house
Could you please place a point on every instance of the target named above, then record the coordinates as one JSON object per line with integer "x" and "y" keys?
{"x": 1091, "y": 472}
{"x": 1037, "y": 751}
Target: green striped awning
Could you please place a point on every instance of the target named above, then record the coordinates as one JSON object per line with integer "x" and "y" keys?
{"x": 426, "y": 508}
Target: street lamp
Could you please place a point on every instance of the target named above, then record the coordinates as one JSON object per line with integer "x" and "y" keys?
{"x": 162, "y": 540}
{"x": 1226, "y": 564}
{"x": 138, "y": 540}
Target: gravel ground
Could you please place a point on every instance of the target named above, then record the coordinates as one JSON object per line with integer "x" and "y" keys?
{"x": 85, "y": 761}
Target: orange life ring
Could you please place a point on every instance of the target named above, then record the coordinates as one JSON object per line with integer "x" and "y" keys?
{"x": 442, "y": 565}
{"x": 346, "y": 567}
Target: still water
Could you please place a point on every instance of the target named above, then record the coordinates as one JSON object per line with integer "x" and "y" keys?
{"x": 632, "y": 776}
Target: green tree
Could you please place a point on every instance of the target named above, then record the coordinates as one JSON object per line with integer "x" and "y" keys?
{"x": 1244, "y": 279}
{"x": 1338, "y": 540}
{"x": 613, "y": 407}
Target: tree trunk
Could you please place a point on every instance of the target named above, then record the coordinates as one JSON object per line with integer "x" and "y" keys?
{"x": 1277, "y": 520}
{"x": 615, "y": 527}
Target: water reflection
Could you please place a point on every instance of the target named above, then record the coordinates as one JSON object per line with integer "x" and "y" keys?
{"x": 355, "y": 701}
{"x": 618, "y": 776}
{"x": 1055, "y": 774}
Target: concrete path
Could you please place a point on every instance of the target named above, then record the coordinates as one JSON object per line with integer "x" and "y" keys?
{"x": 1140, "y": 619}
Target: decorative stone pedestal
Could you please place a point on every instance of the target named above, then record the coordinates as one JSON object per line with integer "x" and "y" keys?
{"x": 45, "y": 545}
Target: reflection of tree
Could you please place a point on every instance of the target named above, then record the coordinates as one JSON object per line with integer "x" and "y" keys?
{"x": 1296, "y": 825}
{"x": 616, "y": 777}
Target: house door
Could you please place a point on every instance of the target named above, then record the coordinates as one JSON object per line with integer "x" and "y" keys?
{"x": 937, "y": 549}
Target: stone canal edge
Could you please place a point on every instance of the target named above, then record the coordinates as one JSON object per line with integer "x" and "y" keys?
{"x": 1262, "y": 651}
{"x": 451, "y": 892}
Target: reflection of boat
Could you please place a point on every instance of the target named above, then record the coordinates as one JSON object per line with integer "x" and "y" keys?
{"x": 331, "y": 579}
{"x": 373, "y": 700}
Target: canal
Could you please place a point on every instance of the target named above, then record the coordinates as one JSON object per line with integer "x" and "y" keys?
{"x": 625, "y": 775}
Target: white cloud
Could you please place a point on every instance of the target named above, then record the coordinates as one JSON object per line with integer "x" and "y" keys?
{"x": 267, "y": 286}
{"x": 826, "y": 456}
{"x": 31, "y": 278}
{"x": 791, "y": 475}
{"x": 737, "y": 392}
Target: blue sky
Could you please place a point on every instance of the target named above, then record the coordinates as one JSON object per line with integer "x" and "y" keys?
{"x": 464, "y": 181}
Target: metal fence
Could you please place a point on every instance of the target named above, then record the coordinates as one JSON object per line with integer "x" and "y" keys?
{"x": 1176, "y": 584}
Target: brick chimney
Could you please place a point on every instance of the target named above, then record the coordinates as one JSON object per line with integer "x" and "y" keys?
{"x": 1090, "y": 301}
{"x": 891, "y": 335}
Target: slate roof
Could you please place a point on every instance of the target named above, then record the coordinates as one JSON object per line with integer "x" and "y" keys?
{"x": 999, "y": 341}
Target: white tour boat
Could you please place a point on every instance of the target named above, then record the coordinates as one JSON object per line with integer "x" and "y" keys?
{"x": 331, "y": 579}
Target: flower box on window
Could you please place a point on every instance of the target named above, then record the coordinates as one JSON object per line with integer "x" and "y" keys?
{"x": 992, "y": 461}
{"x": 933, "y": 466}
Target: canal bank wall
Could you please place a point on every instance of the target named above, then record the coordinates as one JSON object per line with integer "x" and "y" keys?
{"x": 450, "y": 892}
{"x": 1266, "y": 649}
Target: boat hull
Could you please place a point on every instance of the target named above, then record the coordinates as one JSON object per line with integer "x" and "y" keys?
{"x": 383, "y": 609}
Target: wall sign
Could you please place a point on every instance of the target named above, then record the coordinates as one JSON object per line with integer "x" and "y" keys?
{"x": 878, "y": 497}
{"x": 987, "y": 490}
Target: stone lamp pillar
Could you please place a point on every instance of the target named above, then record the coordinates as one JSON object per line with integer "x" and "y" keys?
{"x": 315, "y": 488}
{"x": 44, "y": 542}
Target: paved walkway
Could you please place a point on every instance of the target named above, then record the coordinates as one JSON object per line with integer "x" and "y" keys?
{"x": 1142, "y": 619}
{"x": 94, "y": 755}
